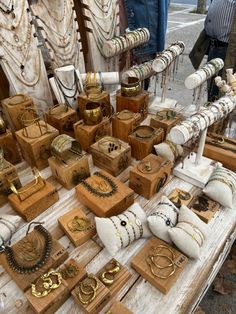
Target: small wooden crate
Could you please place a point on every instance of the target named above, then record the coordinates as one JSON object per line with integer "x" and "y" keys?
{"x": 35, "y": 201}
{"x": 24, "y": 281}
{"x": 165, "y": 124}
{"x": 80, "y": 237}
{"x": 71, "y": 173}
{"x": 86, "y": 135}
{"x": 175, "y": 198}
{"x": 8, "y": 174}
{"x": 119, "y": 308}
{"x": 122, "y": 128}
{"x": 101, "y": 299}
{"x": 208, "y": 213}
{"x": 120, "y": 278}
{"x": 147, "y": 184}
{"x": 106, "y": 206}
{"x": 62, "y": 120}
{"x": 140, "y": 264}
{"x": 138, "y": 103}
{"x": 114, "y": 162}
{"x": 141, "y": 147}
{"x": 10, "y": 148}
{"x": 36, "y": 151}
{"x": 14, "y": 107}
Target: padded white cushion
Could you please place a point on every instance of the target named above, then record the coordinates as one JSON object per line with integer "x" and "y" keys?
{"x": 220, "y": 191}
{"x": 8, "y": 225}
{"x": 164, "y": 150}
{"x": 189, "y": 233}
{"x": 163, "y": 218}
{"x": 119, "y": 231}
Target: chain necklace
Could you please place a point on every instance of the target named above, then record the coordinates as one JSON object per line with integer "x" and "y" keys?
{"x": 101, "y": 6}
{"x": 104, "y": 32}
{"x": 9, "y": 8}
{"x": 54, "y": 14}
{"x": 16, "y": 25}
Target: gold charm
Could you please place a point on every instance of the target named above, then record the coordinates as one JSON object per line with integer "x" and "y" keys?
{"x": 78, "y": 224}
{"x": 70, "y": 271}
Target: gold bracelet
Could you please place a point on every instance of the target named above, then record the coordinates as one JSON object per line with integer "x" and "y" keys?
{"x": 31, "y": 117}
{"x": 62, "y": 145}
{"x": 223, "y": 180}
{"x": 144, "y": 131}
{"x": 191, "y": 235}
{"x": 196, "y": 229}
{"x": 173, "y": 148}
{"x": 92, "y": 113}
{"x": 131, "y": 88}
{"x": 125, "y": 115}
{"x": 109, "y": 144}
{"x": 47, "y": 284}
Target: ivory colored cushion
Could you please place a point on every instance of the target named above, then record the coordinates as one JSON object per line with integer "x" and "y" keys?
{"x": 219, "y": 191}
{"x": 163, "y": 218}
{"x": 189, "y": 232}
{"x": 121, "y": 230}
{"x": 8, "y": 225}
{"x": 164, "y": 150}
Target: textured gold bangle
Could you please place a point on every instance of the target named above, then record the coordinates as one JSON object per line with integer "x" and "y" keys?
{"x": 47, "y": 284}
{"x": 62, "y": 144}
{"x": 173, "y": 148}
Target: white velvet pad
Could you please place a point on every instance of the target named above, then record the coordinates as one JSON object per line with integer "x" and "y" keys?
{"x": 121, "y": 230}
{"x": 164, "y": 150}
{"x": 220, "y": 191}
{"x": 163, "y": 218}
{"x": 8, "y": 225}
{"x": 183, "y": 235}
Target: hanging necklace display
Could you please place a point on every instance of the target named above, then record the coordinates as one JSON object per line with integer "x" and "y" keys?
{"x": 7, "y": 8}
{"x": 58, "y": 26}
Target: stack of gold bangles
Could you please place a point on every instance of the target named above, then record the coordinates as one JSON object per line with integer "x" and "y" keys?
{"x": 48, "y": 284}
{"x": 92, "y": 113}
{"x": 108, "y": 276}
{"x": 92, "y": 87}
{"x": 131, "y": 88}
{"x": 31, "y": 117}
{"x": 86, "y": 290}
{"x": 173, "y": 148}
{"x": 62, "y": 144}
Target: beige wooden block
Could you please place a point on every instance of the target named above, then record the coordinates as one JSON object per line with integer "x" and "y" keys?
{"x": 180, "y": 197}
{"x": 122, "y": 128}
{"x": 79, "y": 237}
{"x": 139, "y": 263}
{"x": 165, "y": 124}
{"x": 10, "y": 148}
{"x": 119, "y": 308}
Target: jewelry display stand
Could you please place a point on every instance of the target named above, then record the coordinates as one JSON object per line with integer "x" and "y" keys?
{"x": 86, "y": 135}
{"x": 123, "y": 123}
{"x": 58, "y": 256}
{"x": 119, "y": 308}
{"x": 77, "y": 226}
{"x": 115, "y": 161}
{"x": 66, "y": 85}
{"x": 21, "y": 60}
{"x": 104, "y": 78}
{"x": 109, "y": 197}
{"x": 59, "y": 28}
{"x": 165, "y": 119}
{"x": 141, "y": 146}
{"x": 139, "y": 263}
{"x": 9, "y": 146}
{"x": 150, "y": 175}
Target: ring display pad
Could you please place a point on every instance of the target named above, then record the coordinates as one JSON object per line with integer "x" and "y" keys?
{"x": 204, "y": 207}
{"x": 165, "y": 119}
{"x": 62, "y": 119}
{"x": 114, "y": 196}
{"x": 21, "y": 59}
{"x": 150, "y": 175}
{"x": 14, "y": 107}
{"x": 142, "y": 142}
{"x": 119, "y": 278}
{"x": 58, "y": 256}
{"x": 139, "y": 263}
{"x": 86, "y": 135}
{"x": 111, "y": 154}
{"x": 10, "y": 148}
{"x": 119, "y": 308}
{"x": 59, "y": 29}
{"x": 35, "y": 149}
{"x": 180, "y": 197}
{"x": 102, "y": 23}
{"x": 51, "y": 303}
{"x": 102, "y": 297}
{"x": 136, "y": 104}
{"x": 77, "y": 226}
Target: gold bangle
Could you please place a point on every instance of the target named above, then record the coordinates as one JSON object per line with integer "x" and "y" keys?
{"x": 109, "y": 144}
{"x": 125, "y": 115}
{"x": 196, "y": 229}
{"x": 33, "y": 119}
{"x": 62, "y": 145}
{"x": 47, "y": 284}
{"x": 173, "y": 148}
{"x": 130, "y": 88}
{"x": 144, "y": 131}
{"x": 93, "y": 113}
{"x": 223, "y": 180}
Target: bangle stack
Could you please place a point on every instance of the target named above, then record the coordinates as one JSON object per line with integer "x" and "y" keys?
{"x": 130, "y": 87}
{"x": 63, "y": 145}
{"x": 30, "y": 118}
{"x": 141, "y": 71}
{"x": 130, "y": 40}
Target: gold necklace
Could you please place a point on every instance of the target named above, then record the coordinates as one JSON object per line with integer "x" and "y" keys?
{"x": 13, "y": 27}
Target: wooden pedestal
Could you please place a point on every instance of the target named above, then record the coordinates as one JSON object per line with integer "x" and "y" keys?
{"x": 102, "y": 297}
{"x": 177, "y": 198}
{"x": 147, "y": 184}
{"x": 24, "y": 281}
{"x": 114, "y": 162}
{"x": 8, "y": 174}
{"x": 36, "y": 151}
{"x": 104, "y": 101}
{"x": 105, "y": 206}
{"x": 57, "y": 297}
{"x": 141, "y": 147}
{"x": 119, "y": 308}
{"x": 71, "y": 173}
{"x": 120, "y": 278}
{"x": 10, "y": 149}
{"x": 34, "y": 204}
{"x": 165, "y": 124}
{"x": 86, "y": 135}
{"x": 135, "y": 104}
{"x": 77, "y": 237}
{"x": 140, "y": 264}
{"x": 205, "y": 213}
{"x": 122, "y": 128}
{"x": 14, "y": 107}
{"x": 62, "y": 120}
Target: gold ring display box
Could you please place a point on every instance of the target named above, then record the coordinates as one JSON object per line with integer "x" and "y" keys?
{"x": 150, "y": 175}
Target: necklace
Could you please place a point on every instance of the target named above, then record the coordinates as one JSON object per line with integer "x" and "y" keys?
{"x": 54, "y": 14}
{"x": 16, "y": 24}
{"x": 41, "y": 262}
{"x": 101, "y": 189}
{"x": 7, "y": 8}
{"x": 101, "y": 6}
